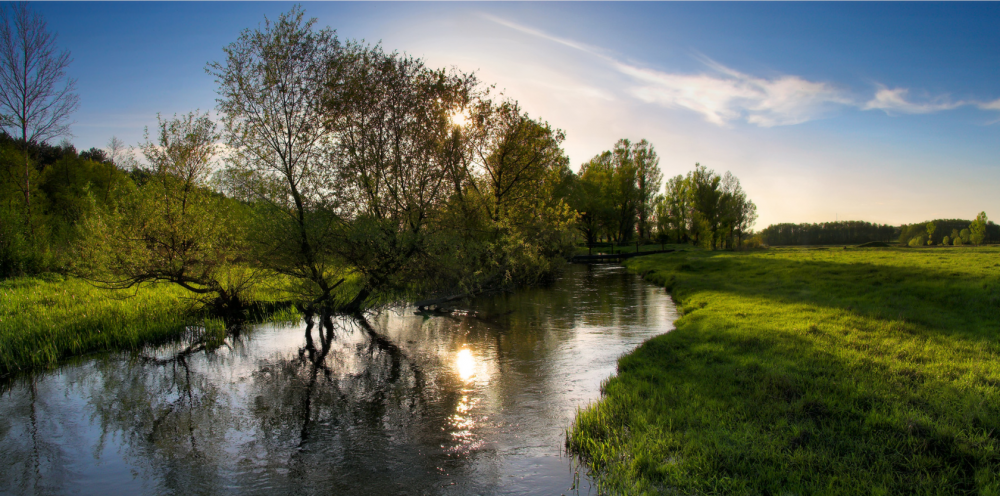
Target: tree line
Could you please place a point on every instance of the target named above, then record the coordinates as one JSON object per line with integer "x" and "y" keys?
{"x": 950, "y": 232}
{"x": 354, "y": 175}
{"x": 935, "y": 232}
{"x": 828, "y": 233}
{"x": 617, "y": 195}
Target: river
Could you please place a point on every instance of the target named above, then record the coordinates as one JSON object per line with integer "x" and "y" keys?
{"x": 445, "y": 405}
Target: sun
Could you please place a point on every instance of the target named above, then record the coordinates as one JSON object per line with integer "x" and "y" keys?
{"x": 458, "y": 118}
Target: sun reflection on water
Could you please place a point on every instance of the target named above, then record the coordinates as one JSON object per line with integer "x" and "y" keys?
{"x": 466, "y": 364}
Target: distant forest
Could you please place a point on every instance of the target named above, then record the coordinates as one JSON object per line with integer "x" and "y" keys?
{"x": 829, "y": 233}
{"x": 854, "y": 232}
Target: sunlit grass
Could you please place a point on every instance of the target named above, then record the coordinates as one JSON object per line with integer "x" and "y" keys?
{"x": 809, "y": 371}
{"x": 45, "y": 320}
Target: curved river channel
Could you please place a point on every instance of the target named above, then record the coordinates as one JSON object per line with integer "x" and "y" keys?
{"x": 443, "y": 405}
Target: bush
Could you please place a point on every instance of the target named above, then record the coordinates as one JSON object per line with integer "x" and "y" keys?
{"x": 17, "y": 255}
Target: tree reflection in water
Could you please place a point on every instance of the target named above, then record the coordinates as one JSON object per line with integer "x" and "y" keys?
{"x": 397, "y": 405}
{"x": 337, "y": 415}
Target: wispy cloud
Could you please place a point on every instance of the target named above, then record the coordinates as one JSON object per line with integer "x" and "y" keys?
{"x": 894, "y": 100}
{"x": 994, "y": 105}
{"x": 723, "y": 95}
{"x": 541, "y": 34}
{"x": 728, "y": 95}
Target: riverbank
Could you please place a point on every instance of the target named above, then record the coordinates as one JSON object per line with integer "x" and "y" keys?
{"x": 48, "y": 319}
{"x": 807, "y": 371}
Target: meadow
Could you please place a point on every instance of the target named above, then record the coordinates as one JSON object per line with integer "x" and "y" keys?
{"x": 809, "y": 371}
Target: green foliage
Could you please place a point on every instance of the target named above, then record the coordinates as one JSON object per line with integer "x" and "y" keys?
{"x": 977, "y": 230}
{"x": 66, "y": 189}
{"x": 285, "y": 164}
{"x": 616, "y": 193}
{"x": 174, "y": 229}
{"x": 366, "y": 191}
{"x": 956, "y": 227}
{"x": 782, "y": 377}
{"x": 711, "y": 210}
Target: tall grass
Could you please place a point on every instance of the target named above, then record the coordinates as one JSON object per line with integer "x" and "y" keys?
{"x": 44, "y": 320}
{"x": 809, "y": 371}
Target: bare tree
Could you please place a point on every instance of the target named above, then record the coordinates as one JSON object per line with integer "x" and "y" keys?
{"x": 120, "y": 154}
{"x": 36, "y": 96}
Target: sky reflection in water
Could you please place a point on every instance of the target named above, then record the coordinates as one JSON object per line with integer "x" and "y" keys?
{"x": 445, "y": 405}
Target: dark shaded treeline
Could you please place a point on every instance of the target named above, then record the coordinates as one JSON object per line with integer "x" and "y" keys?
{"x": 857, "y": 232}
{"x": 828, "y": 233}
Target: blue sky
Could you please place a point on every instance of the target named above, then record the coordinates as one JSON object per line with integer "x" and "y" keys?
{"x": 886, "y": 112}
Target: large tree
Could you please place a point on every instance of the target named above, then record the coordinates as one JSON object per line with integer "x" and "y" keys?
{"x": 513, "y": 153}
{"x": 394, "y": 162}
{"x": 677, "y": 207}
{"x": 648, "y": 180}
{"x": 36, "y": 95}
{"x": 272, "y": 87}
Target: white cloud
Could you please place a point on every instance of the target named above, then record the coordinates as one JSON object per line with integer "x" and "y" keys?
{"x": 730, "y": 95}
{"x": 894, "y": 100}
{"x": 994, "y": 105}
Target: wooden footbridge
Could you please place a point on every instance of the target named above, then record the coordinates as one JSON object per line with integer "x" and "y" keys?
{"x": 614, "y": 258}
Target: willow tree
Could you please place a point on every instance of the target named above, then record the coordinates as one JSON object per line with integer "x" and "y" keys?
{"x": 272, "y": 86}
{"x": 394, "y": 163}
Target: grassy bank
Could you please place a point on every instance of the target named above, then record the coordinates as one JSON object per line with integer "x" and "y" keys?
{"x": 809, "y": 371}
{"x": 44, "y": 320}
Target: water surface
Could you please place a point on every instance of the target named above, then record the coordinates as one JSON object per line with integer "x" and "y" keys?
{"x": 441, "y": 405}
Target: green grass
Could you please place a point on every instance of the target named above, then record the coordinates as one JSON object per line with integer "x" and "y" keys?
{"x": 46, "y": 320}
{"x": 809, "y": 371}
